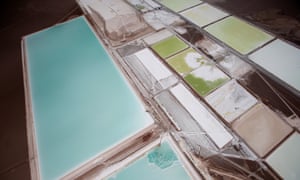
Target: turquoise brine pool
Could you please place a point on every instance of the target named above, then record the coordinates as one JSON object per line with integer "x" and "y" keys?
{"x": 161, "y": 163}
{"x": 81, "y": 103}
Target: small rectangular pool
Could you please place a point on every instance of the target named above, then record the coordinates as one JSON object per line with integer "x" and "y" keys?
{"x": 231, "y": 100}
{"x": 79, "y": 105}
{"x": 161, "y": 162}
{"x": 281, "y": 60}
{"x": 262, "y": 129}
{"x": 185, "y": 61}
{"x": 179, "y": 5}
{"x": 206, "y": 78}
{"x": 150, "y": 71}
{"x": 285, "y": 159}
{"x": 203, "y": 14}
{"x": 169, "y": 46}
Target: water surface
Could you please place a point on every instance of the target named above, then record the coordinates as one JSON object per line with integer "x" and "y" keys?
{"x": 161, "y": 163}
{"x": 81, "y": 103}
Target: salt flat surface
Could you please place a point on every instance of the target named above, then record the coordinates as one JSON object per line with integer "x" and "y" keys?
{"x": 153, "y": 64}
{"x": 107, "y": 8}
{"x": 209, "y": 73}
{"x": 183, "y": 121}
{"x": 144, "y": 5}
{"x": 211, "y": 48}
{"x": 200, "y": 113}
{"x": 235, "y": 66}
{"x": 159, "y": 19}
{"x": 191, "y": 59}
{"x": 158, "y": 36}
{"x": 231, "y": 100}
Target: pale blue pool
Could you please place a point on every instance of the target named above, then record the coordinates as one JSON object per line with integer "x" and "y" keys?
{"x": 81, "y": 103}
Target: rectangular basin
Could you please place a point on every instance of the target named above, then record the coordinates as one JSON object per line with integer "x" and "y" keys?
{"x": 179, "y": 5}
{"x": 238, "y": 34}
{"x": 79, "y": 105}
{"x": 203, "y": 14}
{"x": 281, "y": 60}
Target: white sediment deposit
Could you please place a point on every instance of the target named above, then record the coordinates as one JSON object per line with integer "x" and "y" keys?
{"x": 118, "y": 18}
{"x": 211, "y": 48}
{"x": 235, "y": 66}
{"x": 209, "y": 73}
{"x": 231, "y": 100}
{"x": 152, "y": 63}
{"x": 205, "y": 119}
{"x": 158, "y": 19}
{"x": 192, "y": 59}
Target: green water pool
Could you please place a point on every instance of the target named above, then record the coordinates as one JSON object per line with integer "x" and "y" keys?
{"x": 169, "y": 46}
{"x": 185, "y": 61}
{"x": 206, "y": 78}
{"x": 238, "y": 34}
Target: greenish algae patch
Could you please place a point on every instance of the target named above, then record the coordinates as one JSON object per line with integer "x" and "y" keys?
{"x": 169, "y": 46}
{"x": 238, "y": 34}
{"x": 162, "y": 157}
{"x": 206, "y": 78}
{"x": 179, "y": 5}
{"x": 203, "y": 87}
{"x": 185, "y": 61}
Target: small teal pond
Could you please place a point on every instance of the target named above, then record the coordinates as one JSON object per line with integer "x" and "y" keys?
{"x": 161, "y": 163}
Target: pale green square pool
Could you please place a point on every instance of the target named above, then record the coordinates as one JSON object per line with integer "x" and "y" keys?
{"x": 179, "y": 5}
{"x": 238, "y": 34}
{"x": 185, "y": 61}
{"x": 169, "y": 46}
{"x": 206, "y": 78}
{"x": 203, "y": 14}
{"x": 81, "y": 104}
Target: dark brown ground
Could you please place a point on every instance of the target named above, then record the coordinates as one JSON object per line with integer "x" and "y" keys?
{"x": 19, "y": 18}
{"x": 22, "y": 17}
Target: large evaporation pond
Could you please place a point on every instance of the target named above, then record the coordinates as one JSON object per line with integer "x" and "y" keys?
{"x": 81, "y": 103}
